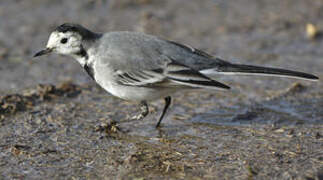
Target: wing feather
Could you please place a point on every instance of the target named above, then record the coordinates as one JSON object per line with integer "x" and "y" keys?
{"x": 138, "y": 78}
{"x": 189, "y": 77}
{"x": 174, "y": 74}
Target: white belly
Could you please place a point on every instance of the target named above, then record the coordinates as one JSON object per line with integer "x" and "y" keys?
{"x": 133, "y": 93}
{"x": 138, "y": 93}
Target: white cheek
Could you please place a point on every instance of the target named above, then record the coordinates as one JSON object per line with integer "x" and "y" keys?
{"x": 73, "y": 42}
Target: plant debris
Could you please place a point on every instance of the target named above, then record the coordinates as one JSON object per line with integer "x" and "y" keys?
{"x": 12, "y": 103}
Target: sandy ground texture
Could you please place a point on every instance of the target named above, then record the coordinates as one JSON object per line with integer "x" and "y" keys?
{"x": 56, "y": 123}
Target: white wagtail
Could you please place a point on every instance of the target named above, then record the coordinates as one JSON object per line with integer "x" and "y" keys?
{"x": 140, "y": 67}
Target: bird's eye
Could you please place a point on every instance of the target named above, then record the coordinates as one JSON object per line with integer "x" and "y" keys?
{"x": 64, "y": 40}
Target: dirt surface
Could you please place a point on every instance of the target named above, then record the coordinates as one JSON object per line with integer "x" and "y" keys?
{"x": 264, "y": 128}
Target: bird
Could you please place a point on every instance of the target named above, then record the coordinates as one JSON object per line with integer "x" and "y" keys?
{"x": 139, "y": 67}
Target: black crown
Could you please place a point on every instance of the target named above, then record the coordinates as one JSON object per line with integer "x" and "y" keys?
{"x": 76, "y": 28}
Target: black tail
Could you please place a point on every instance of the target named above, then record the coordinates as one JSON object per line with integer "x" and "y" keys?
{"x": 249, "y": 69}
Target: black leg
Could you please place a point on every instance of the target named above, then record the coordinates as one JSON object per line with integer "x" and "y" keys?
{"x": 144, "y": 111}
{"x": 168, "y": 100}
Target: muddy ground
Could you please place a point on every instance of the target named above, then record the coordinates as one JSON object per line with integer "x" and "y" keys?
{"x": 52, "y": 114}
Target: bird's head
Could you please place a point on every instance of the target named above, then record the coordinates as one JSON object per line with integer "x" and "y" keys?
{"x": 67, "y": 39}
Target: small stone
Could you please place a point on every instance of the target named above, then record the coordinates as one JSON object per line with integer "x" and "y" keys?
{"x": 311, "y": 31}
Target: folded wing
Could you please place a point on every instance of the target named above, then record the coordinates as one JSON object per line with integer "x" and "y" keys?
{"x": 173, "y": 74}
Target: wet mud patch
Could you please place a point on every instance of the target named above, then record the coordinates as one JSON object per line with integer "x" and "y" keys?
{"x": 282, "y": 108}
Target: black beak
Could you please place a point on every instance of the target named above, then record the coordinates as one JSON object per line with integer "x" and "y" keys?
{"x": 43, "y": 52}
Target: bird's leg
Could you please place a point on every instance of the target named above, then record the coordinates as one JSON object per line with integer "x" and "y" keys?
{"x": 144, "y": 111}
{"x": 168, "y": 101}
